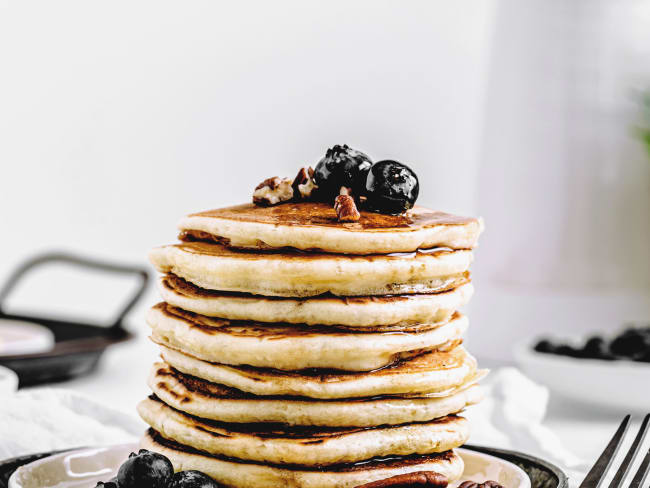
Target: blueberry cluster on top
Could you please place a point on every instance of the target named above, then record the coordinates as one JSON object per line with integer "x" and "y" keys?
{"x": 631, "y": 344}
{"x": 387, "y": 186}
{"x": 148, "y": 469}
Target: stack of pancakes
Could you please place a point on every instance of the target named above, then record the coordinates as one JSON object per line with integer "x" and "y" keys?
{"x": 298, "y": 351}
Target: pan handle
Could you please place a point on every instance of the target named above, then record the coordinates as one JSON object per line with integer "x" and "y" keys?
{"x": 83, "y": 262}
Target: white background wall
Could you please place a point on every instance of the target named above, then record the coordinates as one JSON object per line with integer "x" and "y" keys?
{"x": 117, "y": 118}
{"x": 564, "y": 183}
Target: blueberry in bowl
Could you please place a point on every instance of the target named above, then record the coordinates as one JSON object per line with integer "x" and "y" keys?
{"x": 341, "y": 166}
{"x": 597, "y": 348}
{"x": 545, "y": 346}
{"x": 391, "y": 187}
{"x": 633, "y": 344}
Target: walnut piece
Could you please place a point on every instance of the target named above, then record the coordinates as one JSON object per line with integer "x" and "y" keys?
{"x": 273, "y": 191}
{"x": 346, "y": 209}
{"x": 303, "y": 184}
{"x": 418, "y": 478}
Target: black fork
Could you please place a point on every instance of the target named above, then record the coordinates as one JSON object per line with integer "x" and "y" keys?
{"x": 600, "y": 469}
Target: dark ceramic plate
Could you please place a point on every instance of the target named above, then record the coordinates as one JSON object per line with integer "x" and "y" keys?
{"x": 542, "y": 474}
{"x": 78, "y": 346}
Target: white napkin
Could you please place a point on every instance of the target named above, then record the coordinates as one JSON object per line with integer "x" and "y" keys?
{"x": 511, "y": 417}
{"x": 45, "y": 419}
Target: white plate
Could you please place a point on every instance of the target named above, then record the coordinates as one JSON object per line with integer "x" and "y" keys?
{"x": 83, "y": 468}
{"x": 619, "y": 385}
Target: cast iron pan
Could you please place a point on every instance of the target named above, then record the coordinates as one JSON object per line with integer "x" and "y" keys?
{"x": 542, "y": 474}
{"x": 78, "y": 346}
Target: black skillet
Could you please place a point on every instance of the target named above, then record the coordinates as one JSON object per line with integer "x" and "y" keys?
{"x": 78, "y": 346}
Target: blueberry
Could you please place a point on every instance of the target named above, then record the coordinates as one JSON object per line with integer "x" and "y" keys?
{"x": 145, "y": 470}
{"x": 192, "y": 479}
{"x": 594, "y": 344}
{"x": 341, "y": 166}
{"x": 112, "y": 483}
{"x": 107, "y": 484}
{"x": 545, "y": 346}
{"x": 631, "y": 343}
{"x": 597, "y": 348}
{"x": 644, "y": 358}
{"x": 391, "y": 187}
{"x": 565, "y": 350}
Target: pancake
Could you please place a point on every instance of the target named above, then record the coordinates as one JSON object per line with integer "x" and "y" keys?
{"x": 298, "y": 274}
{"x": 292, "y": 347}
{"x": 391, "y": 312}
{"x": 308, "y": 446}
{"x": 436, "y": 374}
{"x": 212, "y": 401}
{"x": 240, "y": 474}
{"x": 314, "y": 226}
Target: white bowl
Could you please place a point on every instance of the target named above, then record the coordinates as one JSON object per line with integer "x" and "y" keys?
{"x": 616, "y": 385}
{"x": 83, "y": 468}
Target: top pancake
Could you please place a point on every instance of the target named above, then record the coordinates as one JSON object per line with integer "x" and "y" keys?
{"x": 314, "y": 226}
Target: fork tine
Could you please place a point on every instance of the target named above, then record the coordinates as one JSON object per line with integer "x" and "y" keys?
{"x": 595, "y": 476}
{"x": 631, "y": 455}
{"x": 642, "y": 472}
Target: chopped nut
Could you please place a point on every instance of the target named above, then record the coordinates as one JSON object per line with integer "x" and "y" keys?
{"x": 418, "y": 478}
{"x": 273, "y": 191}
{"x": 303, "y": 184}
{"x": 491, "y": 484}
{"x": 485, "y": 484}
{"x": 346, "y": 209}
{"x": 468, "y": 484}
